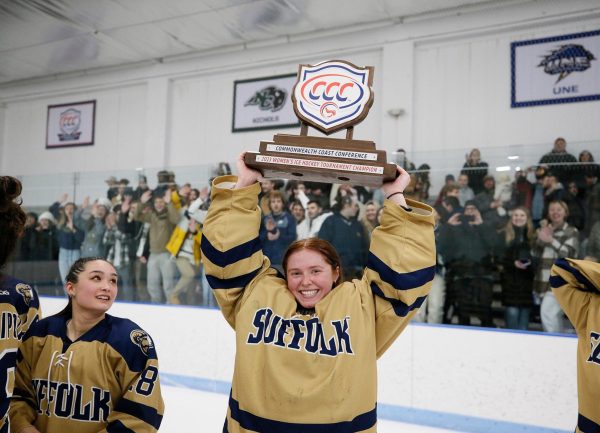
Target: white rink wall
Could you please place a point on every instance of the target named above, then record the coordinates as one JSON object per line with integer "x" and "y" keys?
{"x": 468, "y": 379}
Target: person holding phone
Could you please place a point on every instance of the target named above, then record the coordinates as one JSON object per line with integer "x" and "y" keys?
{"x": 516, "y": 240}
{"x": 466, "y": 244}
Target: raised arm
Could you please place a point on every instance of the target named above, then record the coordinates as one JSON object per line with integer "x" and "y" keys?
{"x": 401, "y": 262}
{"x": 231, "y": 249}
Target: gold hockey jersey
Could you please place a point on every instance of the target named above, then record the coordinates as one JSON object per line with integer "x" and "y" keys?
{"x": 576, "y": 285}
{"x": 105, "y": 381}
{"x": 311, "y": 373}
{"x": 19, "y": 308}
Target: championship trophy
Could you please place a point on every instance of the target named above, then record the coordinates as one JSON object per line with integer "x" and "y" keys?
{"x": 329, "y": 96}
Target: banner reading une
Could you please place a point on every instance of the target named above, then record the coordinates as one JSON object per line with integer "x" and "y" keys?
{"x": 556, "y": 70}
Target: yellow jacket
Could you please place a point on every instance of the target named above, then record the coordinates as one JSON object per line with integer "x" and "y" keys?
{"x": 176, "y": 241}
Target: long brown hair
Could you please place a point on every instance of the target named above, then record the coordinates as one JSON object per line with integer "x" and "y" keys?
{"x": 317, "y": 245}
{"x": 12, "y": 216}
{"x": 509, "y": 231}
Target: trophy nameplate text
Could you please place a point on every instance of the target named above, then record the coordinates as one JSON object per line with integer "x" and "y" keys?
{"x": 329, "y": 96}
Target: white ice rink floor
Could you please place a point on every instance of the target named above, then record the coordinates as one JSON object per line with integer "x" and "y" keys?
{"x": 191, "y": 411}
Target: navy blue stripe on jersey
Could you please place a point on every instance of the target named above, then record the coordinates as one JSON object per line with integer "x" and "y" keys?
{"x": 233, "y": 255}
{"x": 114, "y": 331}
{"x": 118, "y": 427}
{"x": 231, "y": 283}
{"x": 587, "y": 425}
{"x": 404, "y": 281}
{"x": 564, "y": 264}
{"x": 256, "y": 423}
{"x": 400, "y": 308}
{"x": 145, "y": 413}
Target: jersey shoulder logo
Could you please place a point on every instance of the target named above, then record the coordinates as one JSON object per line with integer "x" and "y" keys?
{"x": 141, "y": 339}
{"x": 25, "y": 291}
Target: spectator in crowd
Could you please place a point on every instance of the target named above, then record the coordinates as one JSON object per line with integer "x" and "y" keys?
{"x": 559, "y": 161}
{"x": 123, "y": 190}
{"x": 466, "y": 245}
{"x": 448, "y": 190}
{"x": 112, "y": 184}
{"x": 117, "y": 242}
{"x": 295, "y": 190}
{"x": 423, "y": 183}
{"x": 141, "y": 188}
{"x": 576, "y": 205}
{"x": 537, "y": 202}
{"x": 309, "y": 228}
{"x": 465, "y": 193}
{"x": 488, "y": 205}
{"x": 140, "y": 251}
{"x": 46, "y": 238}
{"x": 266, "y": 187}
{"x": 70, "y": 234}
{"x": 516, "y": 240}
{"x": 369, "y": 218}
{"x": 278, "y": 229}
{"x": 297, "y": 211}
{"x": 184, "y": 246}
{"x": 521, "y": 191}
{"x": 163, "y": 184}
{"x": 93, "y": 222}
{"x": 556, "y": 239}
{"x": 348, "y": 237}
{"x": 476, "y": 169}
{"x": 448, "y": 206}
{"x": 162, "y": 217}
{"x": 320, "y": 192}
{"x": 26, "y": 244}
{"x": 586, "y": 167}
{"x": 553, "y": 189}
{"x": 593, "y": 244}
{"x": 592, "y": 201}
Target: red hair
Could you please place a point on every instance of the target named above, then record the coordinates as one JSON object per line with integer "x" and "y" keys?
{"x": 327, "y": 251}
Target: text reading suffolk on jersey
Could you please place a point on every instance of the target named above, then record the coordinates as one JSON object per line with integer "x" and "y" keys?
{"x": 296, "y": 333}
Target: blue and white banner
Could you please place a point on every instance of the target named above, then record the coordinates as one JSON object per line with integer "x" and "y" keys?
{"x": 556, "y": 70}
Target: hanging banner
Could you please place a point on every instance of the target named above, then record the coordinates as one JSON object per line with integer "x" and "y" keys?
{"x": 264, "y": 103}
{"x": 71, "y": 124}
{"x": 556, "y": 70}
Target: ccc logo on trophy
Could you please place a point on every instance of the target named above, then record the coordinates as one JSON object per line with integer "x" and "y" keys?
{"x": 333, "y": 94}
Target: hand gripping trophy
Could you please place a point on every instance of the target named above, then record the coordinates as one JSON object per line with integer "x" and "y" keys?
{"x": 329, "y": 96}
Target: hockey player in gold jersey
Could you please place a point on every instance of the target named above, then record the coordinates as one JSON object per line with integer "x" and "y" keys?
{"x": 19, "y": 303}
{"x": 306, "y": 346}
{"x": 576, "y": 285}
{"x": 84, "y": 371}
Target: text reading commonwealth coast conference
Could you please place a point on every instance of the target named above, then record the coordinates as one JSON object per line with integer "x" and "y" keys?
{"x": 322, "y": 152}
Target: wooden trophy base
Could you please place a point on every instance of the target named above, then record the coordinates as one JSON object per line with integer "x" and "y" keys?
{"x": 322, "y": 159}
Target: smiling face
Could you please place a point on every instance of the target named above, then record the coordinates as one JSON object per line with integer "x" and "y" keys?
{"x": 95, "y": 289}
{"x": 310, "y": 277}
{"x": 371, "y": 212}
{"x": 519, "y": 218}
{"x": 557, "y": 213}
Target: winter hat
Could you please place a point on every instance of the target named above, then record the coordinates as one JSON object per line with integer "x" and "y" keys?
{"x": 47, "y": 216}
